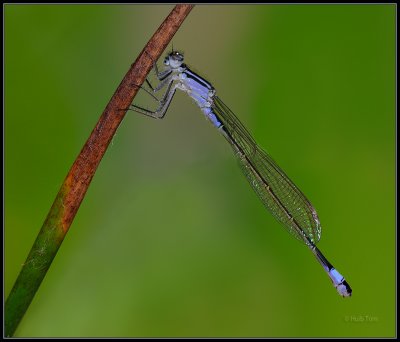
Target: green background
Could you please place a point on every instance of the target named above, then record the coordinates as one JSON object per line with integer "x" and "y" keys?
{"x": 170, "y": 240}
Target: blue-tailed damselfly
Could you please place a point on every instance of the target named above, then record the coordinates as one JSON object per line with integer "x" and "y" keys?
{"x": 278, "y": 193}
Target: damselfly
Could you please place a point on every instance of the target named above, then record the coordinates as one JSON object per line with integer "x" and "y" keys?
{"x": 278, "y": 193}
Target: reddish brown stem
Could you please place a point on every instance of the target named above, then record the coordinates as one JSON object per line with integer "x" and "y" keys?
{"x": 75, "y": 185}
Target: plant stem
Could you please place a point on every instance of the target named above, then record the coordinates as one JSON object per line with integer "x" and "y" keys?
{"x": 73, "y": 190}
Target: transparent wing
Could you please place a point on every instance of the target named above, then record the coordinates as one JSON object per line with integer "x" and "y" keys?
{"x": 277, "y": 192}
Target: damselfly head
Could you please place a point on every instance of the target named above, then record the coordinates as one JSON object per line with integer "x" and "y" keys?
{"x": 174, "y": 59}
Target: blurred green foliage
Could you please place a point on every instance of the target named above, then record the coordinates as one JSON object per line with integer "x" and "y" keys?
{"x": 170, "y": 239}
